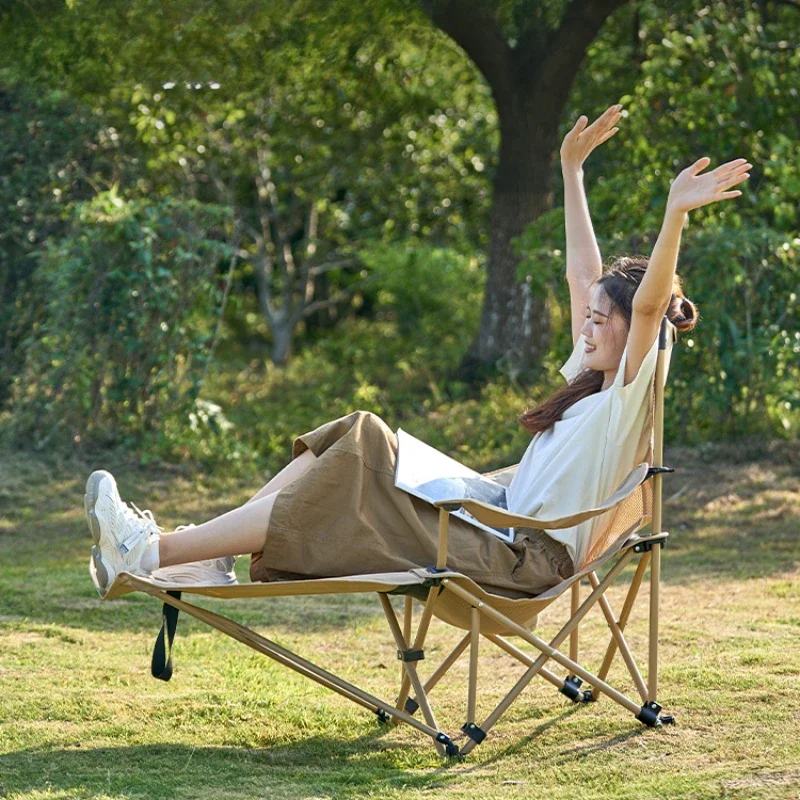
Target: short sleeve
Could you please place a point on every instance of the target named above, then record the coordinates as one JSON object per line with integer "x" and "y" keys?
{"x": 631, "y": 398}
{"x": 574, "y": 364}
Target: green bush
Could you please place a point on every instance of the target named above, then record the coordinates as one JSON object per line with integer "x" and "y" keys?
{"x": 53, "y": 152}
{"x": 429, "y": 291}
{"x": 119, "y": 353}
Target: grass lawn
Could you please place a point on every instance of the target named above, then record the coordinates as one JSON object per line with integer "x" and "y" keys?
{"x": 80, "y": 715}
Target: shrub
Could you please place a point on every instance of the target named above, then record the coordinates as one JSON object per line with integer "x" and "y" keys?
{"x": 130, "y": 296}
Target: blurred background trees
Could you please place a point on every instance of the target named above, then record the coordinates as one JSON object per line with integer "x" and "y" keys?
{"x": 359, "y": 205}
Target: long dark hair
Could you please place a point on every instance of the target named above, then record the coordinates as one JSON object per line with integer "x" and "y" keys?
{"x": 620, "y": 281}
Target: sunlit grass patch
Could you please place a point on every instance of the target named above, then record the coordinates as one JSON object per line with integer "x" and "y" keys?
{"x": 81, "y": 717}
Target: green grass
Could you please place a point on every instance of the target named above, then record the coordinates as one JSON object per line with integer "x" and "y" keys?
{"x": 80, "y": 715}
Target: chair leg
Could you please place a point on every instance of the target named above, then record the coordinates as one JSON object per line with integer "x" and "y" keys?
{"x": 409, "y": 658}
{"x": 526, "y": 659}
{"x": 475, "y": 636}
{"x": 627, "y": 607}
{"x": 408, "y": 608}
{"x": 619, "y": 639}
{"x": 655, "y": 583}
{"x": 574, "y": 605}
{"x": 548, "y": 650}
{"x": 570, "y": 686}
{"x": 419, "y": 640}
{"x": 411, "y": 705}
{"x": 276, "y": 652}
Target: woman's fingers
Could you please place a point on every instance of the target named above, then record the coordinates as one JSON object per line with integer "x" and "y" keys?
{"x": 734, "y": 181}
{"x": 608, "y": 118}
{"x": 608, "y": 135}
{"x": 699, "y": 165}
{"x": 737, "y": 162}
{"x": 733, "y": 177}
{"x": 583, "y": 138}
{"x": 736, "y": 173}
{"x": 733, "y": 166}
{"x": 580, "y": 124}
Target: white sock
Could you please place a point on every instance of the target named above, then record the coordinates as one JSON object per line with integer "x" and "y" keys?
{"x": 150, "y": 558}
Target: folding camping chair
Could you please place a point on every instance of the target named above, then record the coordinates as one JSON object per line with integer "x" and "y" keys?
{"x": 457, "y": 600}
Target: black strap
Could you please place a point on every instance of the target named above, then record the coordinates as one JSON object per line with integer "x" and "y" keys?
{"x": 161, "y": 665}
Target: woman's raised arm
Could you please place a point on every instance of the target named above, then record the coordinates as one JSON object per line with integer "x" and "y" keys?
{"x": 689, "y": 190}
{"x": 584, "y": 263}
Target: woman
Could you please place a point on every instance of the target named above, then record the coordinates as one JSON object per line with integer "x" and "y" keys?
{"x": 334, "y": 509}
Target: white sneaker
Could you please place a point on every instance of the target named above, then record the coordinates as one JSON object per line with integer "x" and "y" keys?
{"x": 211, "y": 572}
{"x": 120, "y": 533}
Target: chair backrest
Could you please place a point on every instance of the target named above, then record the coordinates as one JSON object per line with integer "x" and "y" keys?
{"x": 645, "y": 503}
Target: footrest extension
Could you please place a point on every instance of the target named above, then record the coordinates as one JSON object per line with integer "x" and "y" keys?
{"x": 571, "y": 688}
{"x": 474, "y": 732}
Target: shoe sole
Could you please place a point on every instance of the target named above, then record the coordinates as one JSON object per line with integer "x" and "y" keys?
{"x": 89, "y": 500}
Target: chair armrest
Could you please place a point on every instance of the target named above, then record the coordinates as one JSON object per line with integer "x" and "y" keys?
{"x": 497, "y": 517}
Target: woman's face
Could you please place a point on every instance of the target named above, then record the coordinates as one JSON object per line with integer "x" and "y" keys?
{"x": 606, "y": 333}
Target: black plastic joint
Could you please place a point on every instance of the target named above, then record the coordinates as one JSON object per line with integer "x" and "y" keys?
{"x": 649, "y": 714}
{"x": 658, "y": 471}
{"x": 412, "y": 706}
{"x": 646, "y": 547}
{"x": 571, "y": 688}
{"x": 410, "y": 655}
{"x": 587, "y": 696}
{"x": 451, "y": 748}
{"x": 474, "y": 732}
{"x": 382, "y": 716}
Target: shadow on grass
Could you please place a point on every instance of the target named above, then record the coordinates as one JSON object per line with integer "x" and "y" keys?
{"x": 314, "y": 767}
{"x": 317, "y": 766}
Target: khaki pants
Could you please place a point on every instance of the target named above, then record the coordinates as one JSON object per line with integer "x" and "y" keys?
{"x": 344, "y": 516}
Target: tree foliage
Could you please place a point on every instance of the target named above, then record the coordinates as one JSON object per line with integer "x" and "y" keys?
{"x": 130, "y": 296}
{"x": 333, "y": 157}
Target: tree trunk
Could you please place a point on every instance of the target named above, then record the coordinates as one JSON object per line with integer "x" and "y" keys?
{"x": 282, "y": 331}
{"x": 530, "y": 84}
{"x": 515, "y": 323}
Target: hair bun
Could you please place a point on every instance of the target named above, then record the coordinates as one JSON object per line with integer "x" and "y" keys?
{"x": 683, "y": 314}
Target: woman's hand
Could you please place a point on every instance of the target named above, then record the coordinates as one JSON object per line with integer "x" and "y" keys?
{"x": 691, "y": 190}
{"x": 580, "y": 141}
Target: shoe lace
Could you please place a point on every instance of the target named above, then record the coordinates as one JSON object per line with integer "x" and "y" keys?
{"x": 142, "y": 520}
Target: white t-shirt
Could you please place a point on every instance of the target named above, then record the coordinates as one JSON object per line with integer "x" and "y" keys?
{"x": 582, "y": 459}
